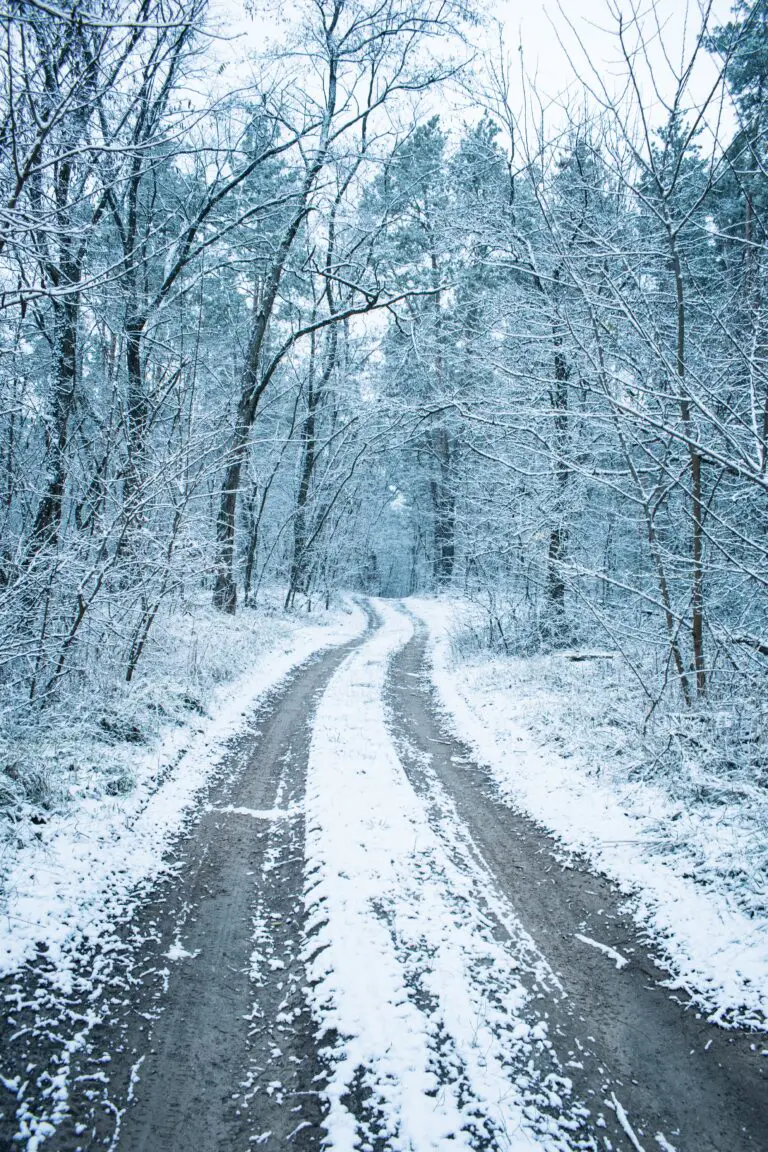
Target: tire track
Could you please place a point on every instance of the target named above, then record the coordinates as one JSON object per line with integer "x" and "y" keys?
{"x": 653, "y": 1073}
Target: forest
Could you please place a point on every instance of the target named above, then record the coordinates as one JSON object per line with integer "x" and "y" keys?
{"x": 383, "y": 575}
{"x": 310, "y": 332}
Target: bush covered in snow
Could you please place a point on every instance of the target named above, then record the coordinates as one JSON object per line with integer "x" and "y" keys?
{"x": 84, "y": 741}
{"x": 698, "y": 776}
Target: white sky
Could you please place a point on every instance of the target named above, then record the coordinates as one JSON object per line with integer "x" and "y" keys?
{"x": 548, "y": 34}
{"x": 537, "y": 26}
{"x": 561, "y": 47}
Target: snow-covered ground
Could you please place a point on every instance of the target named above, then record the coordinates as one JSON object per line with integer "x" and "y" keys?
{"x": 672, "y": 862}
{"x": 436, "y": 1013}
{"x": 68, "y": 879}
{"x": 421, "y": 1004}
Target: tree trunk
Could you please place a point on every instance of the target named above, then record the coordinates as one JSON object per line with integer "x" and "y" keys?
{"x": 138, "y": 415}
{"x": 697, "y": 503}
{"x": 254, "y": 381}
{"x": 50, "y": 509}
{"x": 225, "y": 588}
{"x": 444, "y": 509}
{"x": 298, "y": 574}
{"x": 558, "y": 538}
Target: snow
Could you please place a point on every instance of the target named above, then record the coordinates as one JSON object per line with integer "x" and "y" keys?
{"x": 75, "y": 885}
{"x": 420, "y": 978}
{"x": 258, "y": 813}
{"x": 717, "y": 954}
{"x": 420, "y": 1004}
{"x": 619, "y": 960}
{"x": 623, "y": 1119}
{"x": 177, "y": 951}
{"x": 73, "y": 882}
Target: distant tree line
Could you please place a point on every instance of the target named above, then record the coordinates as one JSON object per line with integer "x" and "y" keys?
{"x": 297, "y": 333}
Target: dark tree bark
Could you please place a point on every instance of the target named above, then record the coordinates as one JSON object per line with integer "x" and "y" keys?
{"x": 48, "y": 518}
{"x": 558, "y": 538}
{"x": 298, "y": 579}
{"x": 444, "y": 506}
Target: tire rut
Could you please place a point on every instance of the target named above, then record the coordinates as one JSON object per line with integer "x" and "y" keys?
{"x": 643, "y": 1061}
{"x": 205, "y": 1041}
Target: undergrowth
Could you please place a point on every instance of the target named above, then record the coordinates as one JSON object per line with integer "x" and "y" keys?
{"x": 701, "y": 772}
{"x": 83, "y": 742}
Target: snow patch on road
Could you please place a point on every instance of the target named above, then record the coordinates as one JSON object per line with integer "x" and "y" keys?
{"x": 419, "y": 1004}
{"x": 177, "y": 951}
{"x": 719, "y": 956}
{"x": 619, "y": 960}
{"x": 258, "y": 813}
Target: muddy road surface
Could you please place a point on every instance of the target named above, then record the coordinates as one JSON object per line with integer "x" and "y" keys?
{"x": 646, "y": 1062}
{"x": 214, "y": 1042}
{"x": 208, "y": 1043}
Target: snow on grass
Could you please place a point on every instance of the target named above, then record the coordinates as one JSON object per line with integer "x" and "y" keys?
{"x": 718, "y": 953}
{"x": 419, "y": 1003}
{"x": 68, "y": 881}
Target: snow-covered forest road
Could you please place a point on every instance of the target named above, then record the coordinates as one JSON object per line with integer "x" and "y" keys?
{"x": 362, "y": 947}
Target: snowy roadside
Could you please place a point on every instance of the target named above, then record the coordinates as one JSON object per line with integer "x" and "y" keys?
{"x": 419, "y": 1001}
{"x": 717, "y": 953}
{"x": 69, "y": 883}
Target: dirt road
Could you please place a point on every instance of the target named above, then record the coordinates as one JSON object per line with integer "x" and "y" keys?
{"x": 205, "y": 995}
{"x": 229, "y": 1028}
{"x": 619, "y": 1033}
